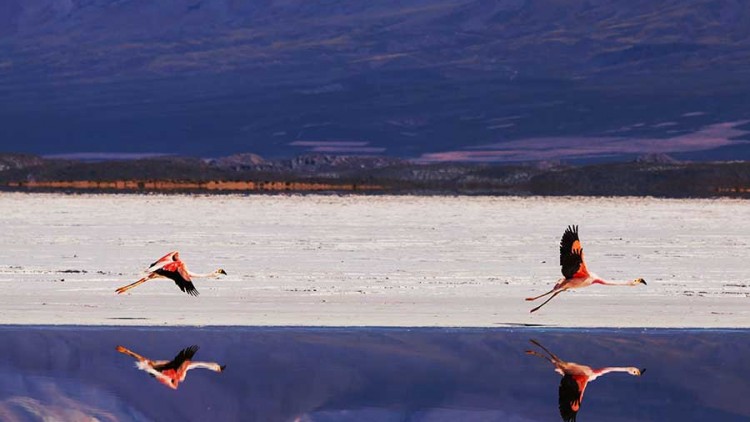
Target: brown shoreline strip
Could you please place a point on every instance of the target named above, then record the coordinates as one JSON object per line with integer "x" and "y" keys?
{"x": 214, "y": 185}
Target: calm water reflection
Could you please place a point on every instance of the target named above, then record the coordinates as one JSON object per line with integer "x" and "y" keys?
{"x": 575, "y": 379}
{"x": 296, "y": 374}
{"x": 171, "y": 372}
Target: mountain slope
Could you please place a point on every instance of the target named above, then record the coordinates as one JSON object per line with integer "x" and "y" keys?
{"x": 403, "y": 78}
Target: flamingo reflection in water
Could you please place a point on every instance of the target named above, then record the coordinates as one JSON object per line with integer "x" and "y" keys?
{"x": 575, "y": 379}
{"x": 171, "y": 373}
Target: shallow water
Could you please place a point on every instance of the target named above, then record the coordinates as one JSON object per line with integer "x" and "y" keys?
{"x": 371, "y": 374}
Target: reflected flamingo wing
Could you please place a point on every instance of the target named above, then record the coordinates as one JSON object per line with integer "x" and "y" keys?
{"x": 169, "y": 379}
{"x": 183, "y": 356}
{"x": 570, "y": 396}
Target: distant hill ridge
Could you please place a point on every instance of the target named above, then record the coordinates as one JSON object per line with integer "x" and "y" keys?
{"x": 649, "y": 175}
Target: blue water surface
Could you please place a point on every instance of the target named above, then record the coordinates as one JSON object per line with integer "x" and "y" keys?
{"x": 370, "y": 374}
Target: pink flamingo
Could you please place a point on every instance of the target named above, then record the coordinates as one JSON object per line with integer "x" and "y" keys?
{"x": 170, "y": 266}
{"x": 575, "y": 273}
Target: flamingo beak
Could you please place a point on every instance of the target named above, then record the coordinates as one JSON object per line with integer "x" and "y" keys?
{"x": 640, "y": 280}
{"x": 222, "y": 272}
{"x": 643, "y": 371}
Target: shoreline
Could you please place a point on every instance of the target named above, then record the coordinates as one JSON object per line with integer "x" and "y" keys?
{"x": 351, "y": 189}
{"x": 399, "y": 328}
{"x": 433, "y": 313}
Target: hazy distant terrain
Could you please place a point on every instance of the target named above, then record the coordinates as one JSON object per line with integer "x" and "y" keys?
{"x": 506, "y": 80}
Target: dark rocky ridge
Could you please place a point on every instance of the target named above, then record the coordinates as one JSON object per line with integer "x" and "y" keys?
{"x": 656, "y": 176}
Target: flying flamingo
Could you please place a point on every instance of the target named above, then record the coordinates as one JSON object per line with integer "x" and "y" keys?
{"x": 574, "y": 270}
{"x": 574, "y": 380}
{"x": 170, "y": 266}
{"x": 171, "y": 373}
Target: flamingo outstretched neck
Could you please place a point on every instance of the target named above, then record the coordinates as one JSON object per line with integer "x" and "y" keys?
{"x": 213, "y": 274}
{"x": 635, "y": 282}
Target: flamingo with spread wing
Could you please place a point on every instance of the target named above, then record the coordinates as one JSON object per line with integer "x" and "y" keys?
{"x": 170, "y": 266}
{"x": 574, "y": 270}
